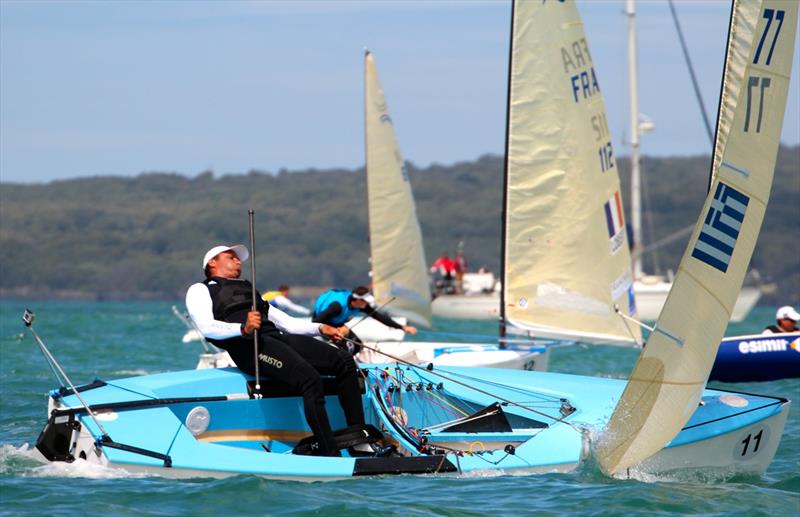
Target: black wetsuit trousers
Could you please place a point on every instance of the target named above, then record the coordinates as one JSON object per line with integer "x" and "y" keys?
{"x": 298, "y": 361}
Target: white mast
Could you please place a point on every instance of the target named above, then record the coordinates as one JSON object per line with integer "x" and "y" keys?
{"x": 636, "y": 189}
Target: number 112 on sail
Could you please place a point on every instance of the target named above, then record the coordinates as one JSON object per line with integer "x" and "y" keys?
{"x": 606, "y": 154}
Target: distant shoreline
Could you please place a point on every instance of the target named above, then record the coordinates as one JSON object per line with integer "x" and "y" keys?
{"x": 23, "y": 294}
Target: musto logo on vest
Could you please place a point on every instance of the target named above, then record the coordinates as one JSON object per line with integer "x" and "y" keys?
{"x": 765, "y": 345}
{"x": 270, "y": 360}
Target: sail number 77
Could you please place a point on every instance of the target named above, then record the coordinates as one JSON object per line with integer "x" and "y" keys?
{"x": 755, "y": 82}
{"x": 769, "y": 15}
{"x": 762, "y": 83}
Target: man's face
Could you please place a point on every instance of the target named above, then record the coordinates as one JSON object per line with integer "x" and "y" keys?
{"x": 787, "y": 324}
{"x": 358, "y": 304}
{"x": 226, "y": 265}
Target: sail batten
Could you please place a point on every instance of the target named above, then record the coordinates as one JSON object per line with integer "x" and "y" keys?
{"x": 566, "y": 259}
{"x": 663, "y": 390}
{"x": 399, "y": 271}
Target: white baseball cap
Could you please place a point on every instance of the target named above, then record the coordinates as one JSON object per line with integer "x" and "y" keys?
{"x": 787, "y": 311}
{"x": 239, "y": 249}
{"x": 366, "y": 297}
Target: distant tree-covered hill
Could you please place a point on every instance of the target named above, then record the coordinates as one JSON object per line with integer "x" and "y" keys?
{"x": 144, "y": 237}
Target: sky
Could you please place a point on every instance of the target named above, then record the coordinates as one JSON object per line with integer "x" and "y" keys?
{"x": 120, "y": 87}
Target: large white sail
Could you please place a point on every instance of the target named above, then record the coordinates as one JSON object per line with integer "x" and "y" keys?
{"x": 398, "y": 259}
{"x": 666, "y": 384}
{"x": 566, "y": 260}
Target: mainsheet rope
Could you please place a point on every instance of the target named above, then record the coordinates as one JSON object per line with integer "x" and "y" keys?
{"x": 466, "y": 385}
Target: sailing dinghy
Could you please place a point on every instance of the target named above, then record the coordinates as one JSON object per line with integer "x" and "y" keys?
{"x": 667, "y": 383}
{"x": 399, "y": 274}
{"x": 566, "y": 267}
{"x": 451, "y": 420}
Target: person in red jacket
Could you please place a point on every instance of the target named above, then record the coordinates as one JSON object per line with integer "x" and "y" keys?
{"x": 445, "y": 269}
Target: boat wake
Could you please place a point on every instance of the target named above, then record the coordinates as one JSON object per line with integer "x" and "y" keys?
{"x": 589, "y": 470}
{"x": 132, "y": 373}
{"x": 26, "y": 461}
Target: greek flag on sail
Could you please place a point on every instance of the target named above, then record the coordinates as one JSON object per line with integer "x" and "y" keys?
{"x": 721, "y": 227}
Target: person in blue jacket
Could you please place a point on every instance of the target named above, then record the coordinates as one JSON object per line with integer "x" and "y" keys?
{"x": 337, "y": 306}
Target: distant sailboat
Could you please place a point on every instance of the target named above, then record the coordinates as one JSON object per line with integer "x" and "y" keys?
{"x": 565, "y": 253}
{"x": 399, "y": 273}
{"x": 566, "y": 264}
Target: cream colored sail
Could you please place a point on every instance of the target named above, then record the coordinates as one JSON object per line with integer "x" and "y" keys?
{"x": 666, "y": 384}
{"x": 398, "y": 259}
{"x": 567, "y": 262}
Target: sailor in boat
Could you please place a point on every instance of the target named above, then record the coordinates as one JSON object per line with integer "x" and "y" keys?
{"x": 280, "y": 299}
{"x": 337, "y": 306}
{"x": 444, "y": 270}
{"x": 785, "y": 321}
{"x": 221, "y": 305}
{"x": 461, "y": 268}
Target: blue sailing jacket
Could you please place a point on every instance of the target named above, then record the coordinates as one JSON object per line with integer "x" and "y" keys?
{"x": 327, "y": 298}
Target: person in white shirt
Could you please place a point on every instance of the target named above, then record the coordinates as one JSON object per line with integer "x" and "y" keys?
{"x": 785, "y": 321}
{"x": 221, "y": 305}
{"x": 280, "y": 299}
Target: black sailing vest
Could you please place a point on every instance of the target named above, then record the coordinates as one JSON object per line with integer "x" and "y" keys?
{"x": 231, "y": 300}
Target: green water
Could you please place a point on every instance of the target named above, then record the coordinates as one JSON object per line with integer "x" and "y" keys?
{"x": 107, "y": 340}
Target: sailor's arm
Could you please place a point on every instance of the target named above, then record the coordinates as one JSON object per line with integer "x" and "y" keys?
{"x": 330, "y": 312}
{"x": 292, "y": 325}
{"x": 200, "y": 308}
{"x": 287, "y": 304}
{"x": 388, "y": 321}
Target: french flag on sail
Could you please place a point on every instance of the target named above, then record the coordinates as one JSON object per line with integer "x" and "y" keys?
{"x": 615, "y": 222}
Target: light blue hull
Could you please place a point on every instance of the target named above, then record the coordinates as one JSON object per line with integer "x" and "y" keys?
{"x": 549, "y": 416}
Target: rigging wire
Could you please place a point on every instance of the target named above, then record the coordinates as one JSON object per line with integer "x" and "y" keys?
{"x": 189, "y": 322}
{"x": 28, "y": 319}
{"x": 494, "y": 338}
{"x": 419, "y": 436}
{"x": 390, "y": 300}
{"x": 451, "y": 378}
{"x": 624, "y": 317}
{"x": 542, "y": 399}
{"x": 627, "y": 327}
{"x": 648, "y": 215}
{"x": 692, "y": 74}
{"x": 431, "y": 395}
{"x": 668, "y": 239}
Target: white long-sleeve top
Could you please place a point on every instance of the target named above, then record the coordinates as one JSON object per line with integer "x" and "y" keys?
{"x": 288, "y": 305}
{"x": 201, "y": 310}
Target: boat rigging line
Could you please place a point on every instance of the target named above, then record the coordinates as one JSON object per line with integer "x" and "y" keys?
{"x": 378, "y": 309}
{"x": 691, "y": 73}
{"x": 567, "y": 409}
{"x": 419, "y": 436}
{"x": 28, "y": 317}
{"x": 191, "y": 326}
{"x": 494, "y": 338}
{"x": 628, "y": 328}
{"x": 634, "y": 320}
